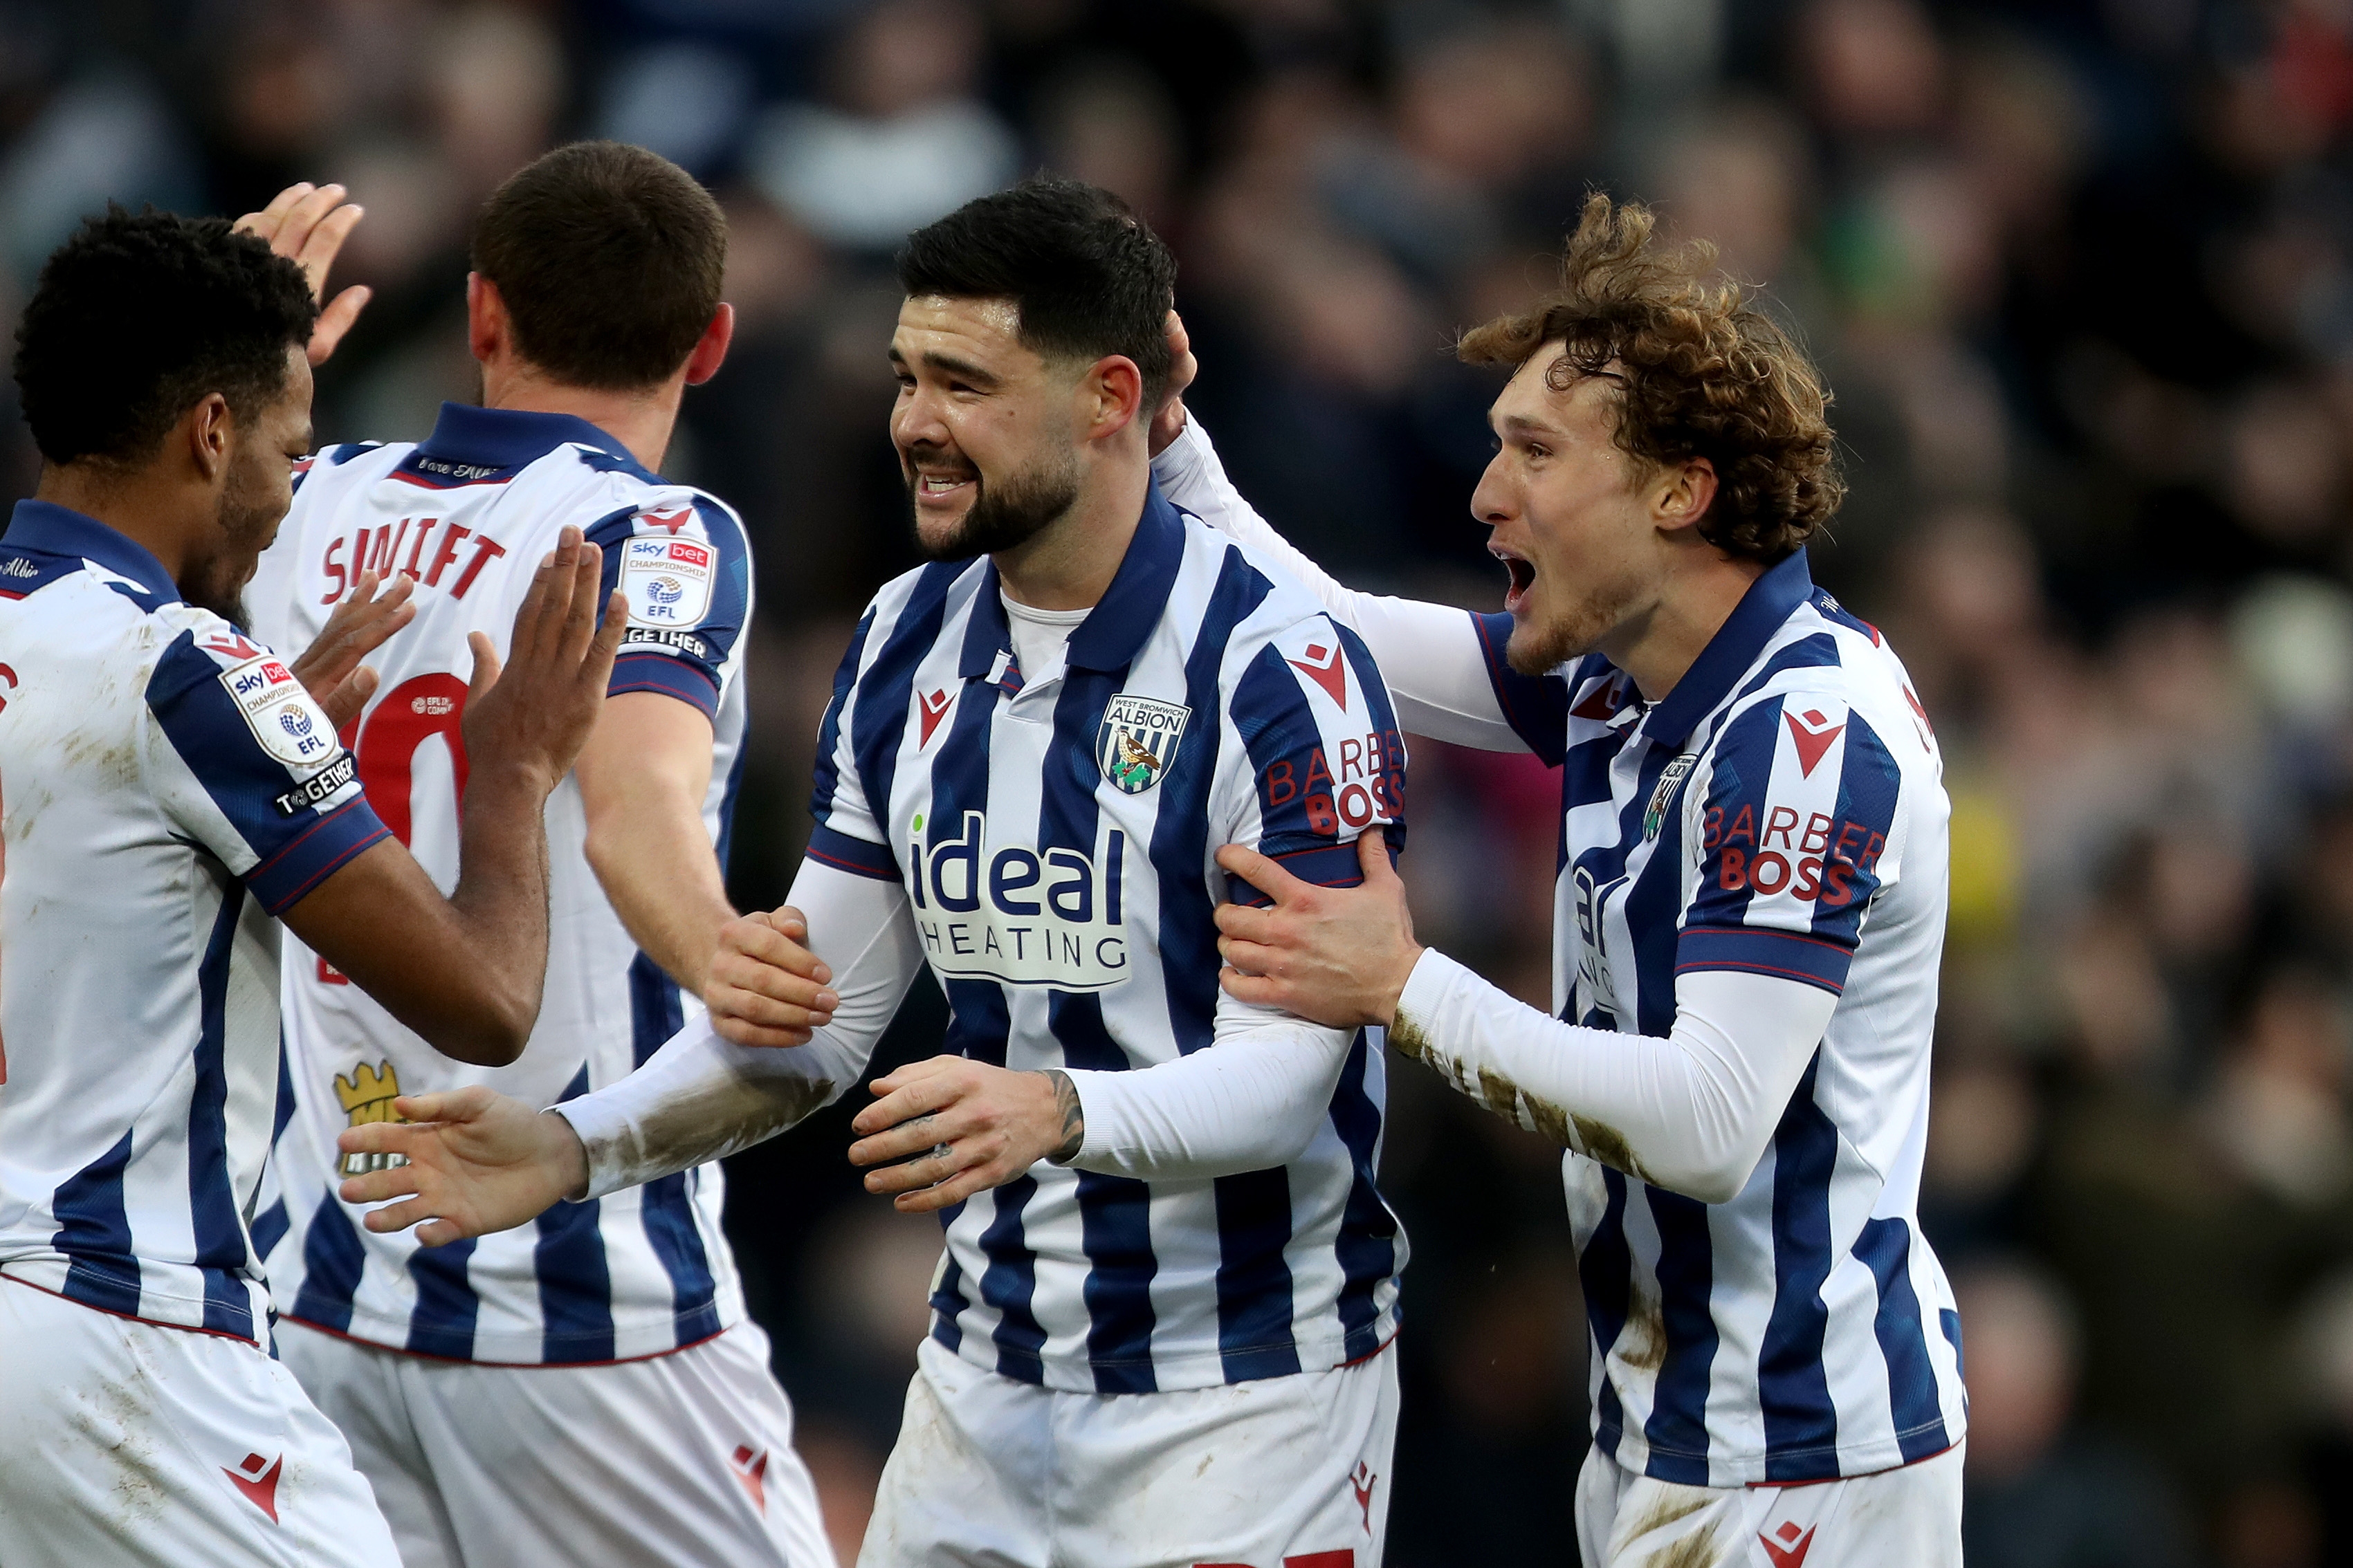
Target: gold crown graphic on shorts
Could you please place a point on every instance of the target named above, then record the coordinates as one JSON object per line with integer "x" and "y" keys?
{"x": 367, "y": 1095}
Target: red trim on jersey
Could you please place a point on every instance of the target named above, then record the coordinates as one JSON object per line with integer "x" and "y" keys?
{"x": 132, "y": 1317}
{"x": 1370, "y": 1353}
{"x": 471, "y": 1361}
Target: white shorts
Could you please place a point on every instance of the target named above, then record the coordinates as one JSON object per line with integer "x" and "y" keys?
{"x": 1910, "y": 1516}
{"x": 989, "y": 1470}
{"x": 130, "y": 1443}
{"x": 685, "y": 1459}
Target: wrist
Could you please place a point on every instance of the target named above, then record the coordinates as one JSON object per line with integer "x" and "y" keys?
{"x": 1067, "y": 1123}
{"x": 563, "y": 1155}
{"x": 498, "y": 783}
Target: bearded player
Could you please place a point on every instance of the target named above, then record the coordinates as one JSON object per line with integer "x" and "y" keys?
{"x": 1159, "y": 1330}
{"x": 1749, "y": 911}
{"x": 588, "y": 1390}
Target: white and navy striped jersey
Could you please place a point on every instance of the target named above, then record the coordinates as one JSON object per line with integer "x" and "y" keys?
{"x": 1780, "y": 812}
{"x": 468, "y": 513}
{"x": 1054, "y": 831}
{"x": 169, "y": 788}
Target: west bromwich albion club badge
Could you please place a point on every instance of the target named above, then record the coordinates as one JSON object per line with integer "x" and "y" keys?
{"x": 1136, "y": 742}
{"x": 1656, "y": 817}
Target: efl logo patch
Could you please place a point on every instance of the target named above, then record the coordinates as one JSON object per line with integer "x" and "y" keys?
{"x": 279, "y": 712}
{"x": 667, "y": 581}
{"x": 1136, "y": 742}
{"x": 319, "y": 787}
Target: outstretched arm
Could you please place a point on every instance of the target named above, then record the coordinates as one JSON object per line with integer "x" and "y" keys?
{"x": 1442, "y": 668}
{"x": 481, "y": 1162}
{"x": 1691, "y": 1112}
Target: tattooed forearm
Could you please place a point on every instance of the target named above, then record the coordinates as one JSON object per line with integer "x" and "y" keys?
{"x": 1074, "y": 1122}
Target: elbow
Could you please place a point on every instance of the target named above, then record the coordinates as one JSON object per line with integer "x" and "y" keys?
{"x": 492, "y": 1033}
{"x": 1717, "y": 1176}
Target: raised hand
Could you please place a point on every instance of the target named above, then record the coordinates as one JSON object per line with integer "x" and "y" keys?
{"x": 536, "y": 712}
{"x": 766, "y": 987}
{"x": 1168, "y": 421}
{"x": 478, "y": 1162}
{"x": 973, "y": 1125}
{"x": 308, "y": 224}
{"x": 330, "y": 668}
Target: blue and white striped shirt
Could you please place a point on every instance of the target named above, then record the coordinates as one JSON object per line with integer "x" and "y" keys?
{"x": 1779, "y": 818}
{"x": 169, "y": 787}
{"x": 468, "y": 513}
{"x": 1054, "y": 832}
{"x": 1780, "y": 812}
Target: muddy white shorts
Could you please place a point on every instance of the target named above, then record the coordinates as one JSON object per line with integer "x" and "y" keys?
{"x": 129, "y": 1443}
{"x": 1281, "y": 1472}
{"x": 1910, "y": 1517}
{"x": 684, "y": 1458}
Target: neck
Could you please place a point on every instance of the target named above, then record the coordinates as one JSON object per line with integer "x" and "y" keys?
{"x": 1657, "y": 646}
{"x": 1070, "y": 563}
{"x": 640, "y": 418}
{"x": 136, "y": 503}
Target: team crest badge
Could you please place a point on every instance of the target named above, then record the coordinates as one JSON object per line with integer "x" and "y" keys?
{"x": 367, "y": 1096}
{"x": 1663, "y": 795}
{"x": 1137, "y": 743}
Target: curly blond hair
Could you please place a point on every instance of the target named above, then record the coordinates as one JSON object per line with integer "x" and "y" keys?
{"x": 1699, "y": 372}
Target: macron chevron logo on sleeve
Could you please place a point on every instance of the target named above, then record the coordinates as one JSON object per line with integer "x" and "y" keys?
{"x": 1320, "y": 664}
{"x": 1814, "y": 734}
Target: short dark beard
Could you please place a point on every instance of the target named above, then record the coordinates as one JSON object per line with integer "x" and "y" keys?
{"x": 217, "y": 581}
{"x": 1010, "y": 514}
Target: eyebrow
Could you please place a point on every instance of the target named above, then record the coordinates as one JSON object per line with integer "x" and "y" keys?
{"x": 1521, "y": 425}
{"x": 948, "y": 364}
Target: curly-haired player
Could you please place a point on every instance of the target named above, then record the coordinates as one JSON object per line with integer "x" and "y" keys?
{"x": 1749, "y": 911}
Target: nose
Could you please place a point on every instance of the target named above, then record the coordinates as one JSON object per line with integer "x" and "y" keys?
{"x": 916, "y": 420}
{"x": 1490, "y": 503}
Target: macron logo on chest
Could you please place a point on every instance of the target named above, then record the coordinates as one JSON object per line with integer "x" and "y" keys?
{"x": 429, "y": 549}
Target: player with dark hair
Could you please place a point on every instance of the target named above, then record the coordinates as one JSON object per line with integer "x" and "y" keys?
{"x": 482, "y": 1386}
{"x": 1750, "y": 913}
{"x": 170, "y": 787}
{"x": 1157, "y": 1332}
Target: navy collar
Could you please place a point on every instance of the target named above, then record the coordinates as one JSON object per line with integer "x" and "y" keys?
{"x": 1772, "y": 599}
{"x": 511, "y": 437}
{"x": 1113, "y": 633}
{"x": 54, "y": 529}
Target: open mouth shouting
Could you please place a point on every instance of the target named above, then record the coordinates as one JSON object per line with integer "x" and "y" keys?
{"x": 1523, "y": 574}
{"x": 942, "y": 481}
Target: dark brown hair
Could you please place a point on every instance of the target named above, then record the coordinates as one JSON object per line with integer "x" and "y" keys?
{"x": 611, "y": 261}
{"x": 1699, "y": 370}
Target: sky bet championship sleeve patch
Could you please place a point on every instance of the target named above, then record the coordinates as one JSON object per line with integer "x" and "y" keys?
{"x": 279, "y": 712}
{"x": 667, "y": 581}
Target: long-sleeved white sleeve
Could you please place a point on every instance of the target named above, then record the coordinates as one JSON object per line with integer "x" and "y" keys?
{"x": 1250, "y": 1100}
{"x": 1430, "y": 654}
{"x": 1691, "y": 1113}
{"x": 701, "y": 1097}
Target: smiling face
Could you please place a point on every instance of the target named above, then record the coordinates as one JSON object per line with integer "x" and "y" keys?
{"x": 257, "y": 486}
{"x": 1573, "y": 518}
{"x": 987, "y": 430}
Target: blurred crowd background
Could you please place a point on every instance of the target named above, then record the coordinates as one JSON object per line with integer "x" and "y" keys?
{"x": 2082, "y": 275}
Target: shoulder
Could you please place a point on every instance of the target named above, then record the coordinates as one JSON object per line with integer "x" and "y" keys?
{"x": 191, "y": 647}
{"x": 918, "y": 607}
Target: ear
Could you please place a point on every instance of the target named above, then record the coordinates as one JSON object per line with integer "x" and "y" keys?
{"x": 485, "y": 318}
{"x": 711, "y": 349}
{"x": 1685, "y": 493}
{"x": 1114, "y": 395}
{"x": 210, "y": 429}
